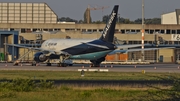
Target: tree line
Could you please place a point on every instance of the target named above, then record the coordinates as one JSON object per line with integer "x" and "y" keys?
{"x": 119, "y": 20}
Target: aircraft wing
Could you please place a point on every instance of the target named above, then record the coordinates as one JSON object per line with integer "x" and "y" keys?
{"x": 45, "y": 51}
{"x": 21, "y": 46}
{"x": 134, "y": 50}
{"x": 131, "y": 46}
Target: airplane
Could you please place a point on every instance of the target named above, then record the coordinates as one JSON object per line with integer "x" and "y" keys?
{"x": 82, "y": 49}
{"x": 63, "y": 49}
{"x": 94, "y": 50}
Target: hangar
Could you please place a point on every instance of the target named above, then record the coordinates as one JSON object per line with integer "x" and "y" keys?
{"x": 171, "y": 17}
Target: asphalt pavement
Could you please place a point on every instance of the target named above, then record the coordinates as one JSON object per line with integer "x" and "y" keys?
{"x": 169, "y": 68}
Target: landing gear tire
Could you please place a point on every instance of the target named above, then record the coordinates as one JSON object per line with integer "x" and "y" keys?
{"x": 16, "y": 64}
{"x": 94, "y": 65}
{"x": 61, "y": 64}
{"x": 33, "y": 64}
{"x": 48, "y": 64}
{"x": 70, "y": 64}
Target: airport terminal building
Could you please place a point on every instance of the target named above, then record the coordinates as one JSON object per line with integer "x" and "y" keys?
{"x": 27, "y": 18}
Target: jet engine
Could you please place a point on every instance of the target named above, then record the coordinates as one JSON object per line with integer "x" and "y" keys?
{"x": 40, "y": 57}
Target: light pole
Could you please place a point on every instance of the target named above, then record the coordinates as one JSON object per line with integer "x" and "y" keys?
{"x": 142, "y": 52}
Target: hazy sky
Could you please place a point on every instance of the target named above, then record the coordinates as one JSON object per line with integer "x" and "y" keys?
{"x": 128, "y": 8}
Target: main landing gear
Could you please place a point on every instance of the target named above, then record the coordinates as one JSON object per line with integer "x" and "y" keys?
{"x": 48, "y": 63}
{"x": 96, "y": 63}
{"x": 61, "y": 61}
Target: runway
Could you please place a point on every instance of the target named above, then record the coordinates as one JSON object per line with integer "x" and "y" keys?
{"x": 170, "y": 68}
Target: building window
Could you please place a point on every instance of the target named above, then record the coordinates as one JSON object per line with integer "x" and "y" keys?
{"x": 11, "y": 29}
{"x": 28, "y": 31}
{"x": 57, "y": 29}
{"x": 173, "y": 31}
{"x": 133, "y": 30}
{"x": 178, "y": 31}
{"x": 176, "y": 42}
{"x": 34, "y": 30}
{"x": 162, "y": 31}
{"x": 130, "y": 42}
{"x": 50, "y": 29}
{"x": 151, "y": 31}
{"x": 45, "y": 29}
{"x": 94, "y": 30}
{"x": 23, "y": 30}
{"x": 89, "y": 30}
{"x": 157, "y": 31}
{"x": 138, "y": 30}
{"x": 100, "y": 30}
{"x": 123, "y": 31}
{"x": 168, "y": 31}
{"x": 127, "y": 30}
{"x": 83, "y": 30}
{"x": 170, "y": 42}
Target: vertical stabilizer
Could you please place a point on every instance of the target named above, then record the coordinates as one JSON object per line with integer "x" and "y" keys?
{"x": 108, "y": 32}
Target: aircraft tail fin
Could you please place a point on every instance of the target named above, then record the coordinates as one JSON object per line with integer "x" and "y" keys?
{"x": 108, "y": 32}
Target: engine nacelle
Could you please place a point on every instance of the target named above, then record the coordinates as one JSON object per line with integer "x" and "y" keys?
{"x": 40, "y": 57}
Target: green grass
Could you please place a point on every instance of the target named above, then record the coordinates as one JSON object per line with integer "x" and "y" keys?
{"x": 22, "y": 89}
{"x": 70, "y": 94}
{"x": 65, "y": 93}
{"x": 69, "y": 75}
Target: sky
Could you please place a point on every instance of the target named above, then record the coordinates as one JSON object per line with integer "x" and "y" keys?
{"x": 131, "y": 9}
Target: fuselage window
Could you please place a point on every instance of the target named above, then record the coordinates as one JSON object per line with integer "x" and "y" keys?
{"x": 52, "y": 44}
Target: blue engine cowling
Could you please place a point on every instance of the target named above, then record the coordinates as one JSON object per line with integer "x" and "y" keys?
{"x": 40, "y": 57}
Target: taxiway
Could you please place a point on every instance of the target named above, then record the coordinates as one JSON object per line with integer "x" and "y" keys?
{"x": 170, "y": 68}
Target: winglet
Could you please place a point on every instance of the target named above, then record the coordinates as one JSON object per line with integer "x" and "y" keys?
{"x": 108, "y": 32}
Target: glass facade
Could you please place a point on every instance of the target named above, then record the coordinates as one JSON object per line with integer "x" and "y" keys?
{"x": 26, "y": 13}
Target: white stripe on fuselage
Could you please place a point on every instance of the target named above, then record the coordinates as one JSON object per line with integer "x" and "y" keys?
{"x": 100, "y": 46}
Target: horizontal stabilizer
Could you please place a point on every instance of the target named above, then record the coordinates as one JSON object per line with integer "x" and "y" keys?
{"x": 131, "y": 46}
{"x": 134, "y": 50}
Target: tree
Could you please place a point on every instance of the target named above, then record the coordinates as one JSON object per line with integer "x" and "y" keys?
{"x": 66, "y": 19}
{"x": 138, "y": 21}
{"x": 105, "y": 18}
{"x": 148, "y": 21}
{"x": 98, "y": 22}
{"x": 120, "y": 20}
{"x": 153, "y": 21}
{"x": 80, "y": 21}
{"x": 125, "y": 21}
